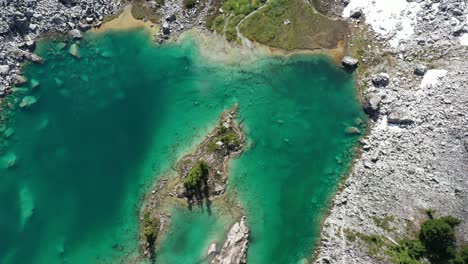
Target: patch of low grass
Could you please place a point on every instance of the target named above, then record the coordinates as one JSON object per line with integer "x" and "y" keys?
{"x": 231, "y": 31}
{"x": 385, "y": 223}
{"x": 213, "y": 14}
{"x": 307, "y": 29}
{"x": 234, "y": 11}
{"x": 142, "y": 10}
{"x": 150, "y": 228}
{"x": 113, "y": 16}
{"x": 435, "y": 242}
{"x": 218, "y": 24}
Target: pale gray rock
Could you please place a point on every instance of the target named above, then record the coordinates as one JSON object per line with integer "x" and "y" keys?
{"x": 234, "y": 250}
{"x": 400, "y": 116}
{"x": 4, "y": 69}
{"x": 76, "y": 34}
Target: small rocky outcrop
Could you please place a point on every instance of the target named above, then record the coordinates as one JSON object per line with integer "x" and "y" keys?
{"x": 355, "y": 13}
{"x": 76, "y": 34}
{"x": 400, "y": 116}
{"x": 371, "y": 106}
{"x": 381, "y": 80}
{"x": 420, "y": 70}
{"x": 234, "y": 250}
{"x": 349, "y": 63}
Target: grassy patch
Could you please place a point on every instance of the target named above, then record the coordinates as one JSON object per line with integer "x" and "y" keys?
{"x": 231, "y": 31}
{"x": 218, "y": 24}
{"x": 307, "y": 29}
{"x": 213, "y": 14}
{"x": 435, "y": 242}
{"x": 234, "y": 11}
{"x": 150, "y": 228}
{"x": 141, "y": 10}
{"x": 384, "y": 223}
{"x": 113, "y": 16}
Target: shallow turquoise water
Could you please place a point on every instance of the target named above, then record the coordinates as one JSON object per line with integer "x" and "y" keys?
{"x": 105, "y": 125}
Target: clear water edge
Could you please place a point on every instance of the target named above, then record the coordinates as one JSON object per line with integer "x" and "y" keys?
{"x": 192, "y": 142}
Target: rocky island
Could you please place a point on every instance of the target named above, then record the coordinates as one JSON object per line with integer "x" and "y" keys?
{"x": 201, "y": 181}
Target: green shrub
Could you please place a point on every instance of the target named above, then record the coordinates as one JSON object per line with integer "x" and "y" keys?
{"x": 437, "y": 235}
{"x": 150, "y": 234}
{"x": 430, "y": 212}
{"x": 452, "y": 221}
{"x": 218, "y": 24}
{"x": 197, "y": 176}
{"x": 408, "y": 251}
{"x": 190, "y": 3}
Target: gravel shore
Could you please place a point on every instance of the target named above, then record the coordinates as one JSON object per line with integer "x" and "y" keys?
{"x": 415, "y": 156}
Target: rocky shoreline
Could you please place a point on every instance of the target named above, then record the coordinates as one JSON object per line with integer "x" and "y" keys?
{"x": 24, "y": 22}
{"x": 415, "y": 156}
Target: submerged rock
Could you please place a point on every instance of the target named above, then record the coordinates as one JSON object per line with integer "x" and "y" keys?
{"x": 353, "y": 131}
{"x": 76, "y": 34}
{"x": 19, "y": 79}
{"x": 8, "y": 160}
{"x": 73, "y": 50}
{"x": 34, "y": 84}
{"x": 27, "y": 101}
{"x": 9, "y": 132}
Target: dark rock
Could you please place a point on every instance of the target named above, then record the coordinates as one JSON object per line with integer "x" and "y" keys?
{"x": 22, "y": 45}
{"x": 460, "y": 29}
{"x": 355, "y": 13}
{"x": 457, "y": 12}
{"x": 350, "y": 63}
{"x": 166, "y": 29}
{"x": 171, "y": 18}
{"x": 21, "y": 24}
{"x": 381, "y": 80}
{"x": 31, "y": 45}
{"x": 57, "y": 19}
{"x": 68, "y": 2}
{"x": 371, "y": 106}
{"x": 83, "y": 27}
{"x": 420, "y": 70}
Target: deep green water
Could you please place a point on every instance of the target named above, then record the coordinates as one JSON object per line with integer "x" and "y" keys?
{"x": 106, "y": 125}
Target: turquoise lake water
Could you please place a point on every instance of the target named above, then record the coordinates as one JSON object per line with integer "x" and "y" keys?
{"x": 74, "y": 165}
